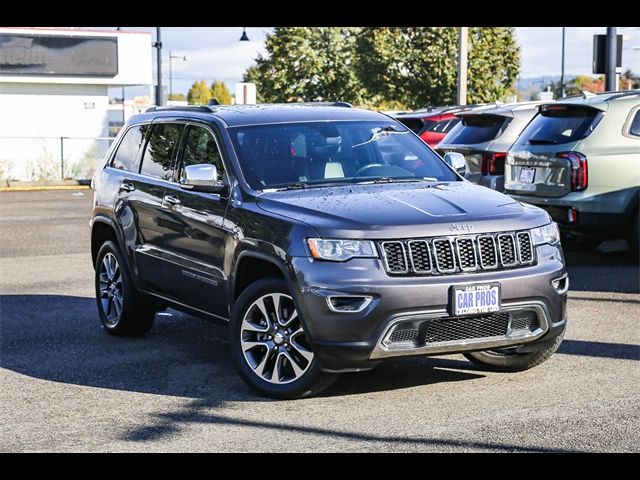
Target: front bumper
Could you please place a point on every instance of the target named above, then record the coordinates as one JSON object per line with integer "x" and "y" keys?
{"x": 349, "y": 341}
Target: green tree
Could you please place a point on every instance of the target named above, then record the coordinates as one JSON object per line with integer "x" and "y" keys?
{"x": 417, "y": 66}
{"x": 199, "y": 93}
{"x": 315, "y": 64}
{"x": 176, "y": 96}
{"x": 221, "y": 93}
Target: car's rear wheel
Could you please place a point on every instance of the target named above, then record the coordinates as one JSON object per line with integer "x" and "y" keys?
{"x": 122, "y": 310}
{"x": 574, "y": 242}
{"x": 269, "y": 347}
{"x": 508, "y": 360}
{"x": 634, "y": 238}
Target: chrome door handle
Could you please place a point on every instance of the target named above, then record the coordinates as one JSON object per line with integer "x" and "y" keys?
{"x": 172, "y": 200}
{"x": 127, "y": 187}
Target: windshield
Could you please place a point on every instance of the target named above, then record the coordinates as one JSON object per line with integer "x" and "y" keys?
{"x": 321, "y": 153}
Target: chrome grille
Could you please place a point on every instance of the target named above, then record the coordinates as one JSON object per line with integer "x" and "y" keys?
{"x": 525, "y": 248}
{"x": 420, "y": 256}
{"x": 507, "y": 249}
{"x": 466, "y": 254}
{"x": 429, "y": 331}
{"x": 394, "y": 257}
{"x": 488, "y": 253}
{"x": 443, "y": 253}
{"x": 456, "y": 254}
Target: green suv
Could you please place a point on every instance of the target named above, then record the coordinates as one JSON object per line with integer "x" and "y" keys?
{"x": 579, "y": 159}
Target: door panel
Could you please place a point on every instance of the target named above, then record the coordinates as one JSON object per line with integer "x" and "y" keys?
{"x": 195, "y": 242}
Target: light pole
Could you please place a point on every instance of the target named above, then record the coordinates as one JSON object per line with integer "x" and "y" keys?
{"x": 562, "y": 66}
{"x": 171, "y": 57}
{"x": 158, "y": 46}
{"x": 462, "y": 65}
{"x": 123, "y": 112}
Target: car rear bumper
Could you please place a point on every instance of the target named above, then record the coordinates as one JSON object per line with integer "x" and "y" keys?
{"x": 605, "y": 215}
{"x": 348, "y": 341}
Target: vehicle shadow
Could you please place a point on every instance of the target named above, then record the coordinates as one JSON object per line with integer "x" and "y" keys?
{"x": 592, "y": 271}
{"x": 59, "y": 338}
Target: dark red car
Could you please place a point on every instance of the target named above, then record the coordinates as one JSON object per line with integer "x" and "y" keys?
{"x": 433, "y": 124}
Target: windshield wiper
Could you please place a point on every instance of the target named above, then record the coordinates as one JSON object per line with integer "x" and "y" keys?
{"x": 402, "y": 180}
{"x": 542, "y": 141}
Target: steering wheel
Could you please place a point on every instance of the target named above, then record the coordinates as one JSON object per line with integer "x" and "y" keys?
{"x": 367, "y": 167}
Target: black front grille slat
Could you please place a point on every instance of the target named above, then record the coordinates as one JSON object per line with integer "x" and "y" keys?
{"x": 525, "y": 248}
{"x": 458, "y": 254}
{"x": 507, "y": 249}
{"x": 488, "y": 253}
{"x": 394, "y": 257}
{"x": 404, "y": 335}
{"x": 466, "y": 254}
{"x": 444, "y": 256}
{"x": 420, "y": 256}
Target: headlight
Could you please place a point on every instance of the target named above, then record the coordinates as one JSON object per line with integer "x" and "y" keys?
{"x": 547, "y": 234}
{"x": 340, "y": 250}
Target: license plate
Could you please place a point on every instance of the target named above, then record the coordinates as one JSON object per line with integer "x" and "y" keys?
{"x": 474, "y": 299}
{"x": 527, "y": 175}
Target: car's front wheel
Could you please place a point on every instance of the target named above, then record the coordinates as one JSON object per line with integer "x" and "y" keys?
{"x": 507, "y": 360}
{"x": 269, "y": 347}
{"x": 122, "y": 310}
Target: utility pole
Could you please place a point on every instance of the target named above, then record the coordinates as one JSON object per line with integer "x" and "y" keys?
{"x": 462, "y": 65}
{"x": 562, "y": 66}
{"x": 611, "y": 56}
{"x": 124, "y": 120}
{"x": 158, "y": 46}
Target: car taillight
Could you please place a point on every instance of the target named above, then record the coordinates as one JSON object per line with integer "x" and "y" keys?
{"x": 493, "y": 163}
{"x": 579, "y": 171}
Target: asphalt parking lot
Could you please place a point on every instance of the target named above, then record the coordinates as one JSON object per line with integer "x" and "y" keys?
{"x": 68, "y": 386}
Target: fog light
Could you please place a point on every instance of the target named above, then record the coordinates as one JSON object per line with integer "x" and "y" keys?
{"x": 348, "y": 303}
{"x": 561, "y": 285}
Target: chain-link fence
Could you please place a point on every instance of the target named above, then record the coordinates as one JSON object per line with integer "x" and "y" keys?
{"x": 37, "y": 159}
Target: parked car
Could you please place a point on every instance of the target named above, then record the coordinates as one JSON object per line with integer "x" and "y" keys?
{"x": 579, "y": 159}
{"x": 432, "y": 125}
{"x": 327, "y": 238}
{"x": 484, "y": 136}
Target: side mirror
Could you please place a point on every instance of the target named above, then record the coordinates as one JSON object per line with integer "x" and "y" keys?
{"x": 456, "y": 161}
{"x": 202, "y": 177}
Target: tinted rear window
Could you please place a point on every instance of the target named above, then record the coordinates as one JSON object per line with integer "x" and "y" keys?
{"x": 557, "y": 124}
{"x": 126, "y": 158}
{"x": 634, "y": 129}
{"x": 413, "y": 124}
{"x": 158, "y": 157}
{"x": 475, "y": 129}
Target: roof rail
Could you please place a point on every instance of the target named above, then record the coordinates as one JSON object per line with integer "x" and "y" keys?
{"x": 312, "y": 104}
{"x": 186, "y": 108}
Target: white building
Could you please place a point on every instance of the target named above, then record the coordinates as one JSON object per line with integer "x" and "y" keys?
{"x": 54, "y": 103}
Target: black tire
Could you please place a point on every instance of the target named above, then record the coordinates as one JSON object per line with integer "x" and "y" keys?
{"x": 634, "y": 239}
{"x": 504, "y": 361}
{"x": 309, "y": 383}
{"x": 136, "y": 313}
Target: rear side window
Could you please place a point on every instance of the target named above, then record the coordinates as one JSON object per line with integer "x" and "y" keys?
{"x": 126, "y": 157}
{"x": 476, "y": 129}
{"x": 158, "y": 157}
{"x": 634, "y": 129}
{"x": 557, "y": 124}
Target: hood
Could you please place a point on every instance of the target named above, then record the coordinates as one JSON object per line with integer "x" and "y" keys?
{"x": 402, "y": 210}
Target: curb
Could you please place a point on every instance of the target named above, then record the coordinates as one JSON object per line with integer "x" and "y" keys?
{"x": 35, "y": 188}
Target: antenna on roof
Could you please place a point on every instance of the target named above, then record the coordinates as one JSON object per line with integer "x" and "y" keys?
{"x": 213, "y": 102}
{"x": 587, "y": 94}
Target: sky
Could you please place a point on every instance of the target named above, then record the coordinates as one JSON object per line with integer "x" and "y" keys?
{"x": 216, "y": 52}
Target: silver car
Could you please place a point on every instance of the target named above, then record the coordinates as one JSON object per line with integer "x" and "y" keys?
{"x": 484, "y": 137}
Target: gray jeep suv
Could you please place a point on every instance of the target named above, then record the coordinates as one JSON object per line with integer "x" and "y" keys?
{"x": 328, "y": 239}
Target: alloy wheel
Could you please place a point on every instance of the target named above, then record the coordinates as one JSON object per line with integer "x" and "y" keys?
{"x": 110, "y": 286}
{"x": 272, "y": 339}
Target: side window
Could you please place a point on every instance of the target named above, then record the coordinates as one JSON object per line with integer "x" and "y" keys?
{"x": 126, "y": 157}
{"x": 634, "y": 128}
{"x": 201, "y": 147}
{"x": 158, "y": 156}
